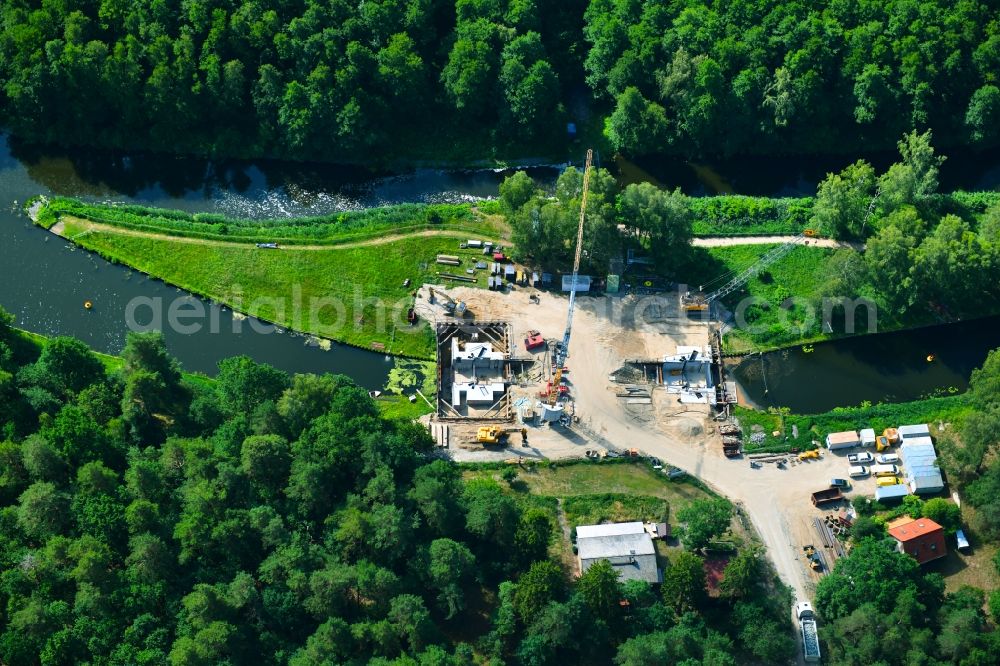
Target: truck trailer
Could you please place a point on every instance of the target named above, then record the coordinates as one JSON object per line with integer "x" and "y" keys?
{"x": 810, "y": 636}
{"x": 828, "y": 496}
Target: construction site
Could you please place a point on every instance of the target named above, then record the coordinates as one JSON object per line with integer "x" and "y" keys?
{"x": 527, "y": 374}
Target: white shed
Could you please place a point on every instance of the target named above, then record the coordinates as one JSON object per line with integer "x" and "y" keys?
{"x": 868, "y": 437}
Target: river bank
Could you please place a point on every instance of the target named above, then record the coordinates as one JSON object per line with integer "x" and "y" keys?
{"x": 357, "y": 292}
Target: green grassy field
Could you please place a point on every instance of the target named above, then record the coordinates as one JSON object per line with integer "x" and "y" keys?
{"x": 800, "y": 274}
{"x": 354, "y": 295}
{"x": 606, "y": 491}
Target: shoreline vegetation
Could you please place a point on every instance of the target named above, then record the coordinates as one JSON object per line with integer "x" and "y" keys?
{"x": 392, "y": 404}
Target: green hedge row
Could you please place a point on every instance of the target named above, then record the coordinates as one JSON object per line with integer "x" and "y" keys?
{"x": 741, "y": 215}
{"x": 337, "y": 227}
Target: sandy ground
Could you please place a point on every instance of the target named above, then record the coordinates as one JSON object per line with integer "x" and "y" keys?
{"x": 606, "y": 332}
{"x": 725, "y": 241}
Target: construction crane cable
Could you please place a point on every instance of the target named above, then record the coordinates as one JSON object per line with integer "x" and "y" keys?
{"x": 563, "y": 350}
{"x": 576, "y": 258}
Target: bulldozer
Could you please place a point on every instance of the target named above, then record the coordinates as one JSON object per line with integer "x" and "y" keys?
{"x": 488, "y": 435}
{"x": 812, "y": 453}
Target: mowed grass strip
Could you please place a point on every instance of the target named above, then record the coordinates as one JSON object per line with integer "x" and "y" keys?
{"x": 353, "y": 295}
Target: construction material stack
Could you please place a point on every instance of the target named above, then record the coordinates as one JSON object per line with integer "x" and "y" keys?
{"x": 732, "y": 439}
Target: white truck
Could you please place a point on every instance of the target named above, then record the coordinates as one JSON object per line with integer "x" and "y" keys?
{"x": 810, "y": 637}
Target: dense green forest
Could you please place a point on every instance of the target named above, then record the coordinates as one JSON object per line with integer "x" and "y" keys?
{"x": 468, "y": 79}
{"x": 149, "y": 517}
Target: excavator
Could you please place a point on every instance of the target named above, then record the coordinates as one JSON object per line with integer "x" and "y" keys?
{"x": 451, "y": 306}
{"x": 487, "y": 435}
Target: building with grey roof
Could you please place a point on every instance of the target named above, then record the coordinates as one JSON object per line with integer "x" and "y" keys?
{"x": 910, "y": 431}
{"x": 627, "y": 546}
{"x": 890, "y": 494}
{"x": 923, "y": 476}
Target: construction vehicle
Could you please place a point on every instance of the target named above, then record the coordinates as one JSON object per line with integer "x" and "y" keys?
{"x": 810, "y": 636}
{"x": 562, "y": 349}
{"x": 810, "y": 553}
{"x": 451, "y": 306}
{"x": 811, "y": 453}
{"x": 886, "y": 481}
{"x": 487, "y": 435}
{"x": 533, "y": 340}
{"x": 828, "y": 496}
{"x": 694, "y": 302}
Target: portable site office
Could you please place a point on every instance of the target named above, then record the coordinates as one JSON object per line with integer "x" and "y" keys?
{"x": 842, "y": 440}
{"x": 891, "y": 494}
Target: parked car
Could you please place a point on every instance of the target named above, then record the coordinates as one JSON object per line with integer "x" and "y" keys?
{"x": 865, "y": 457}
{"x": 840, "y": 483}
{"x": 656, "y": 463}
{"x": 887, "y": 459}
{"x": 857, "y": 471}
{"x": 885, "y": 470}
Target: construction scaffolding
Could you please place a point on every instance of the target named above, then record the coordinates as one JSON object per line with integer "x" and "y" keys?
{"x": 473, "y": 371}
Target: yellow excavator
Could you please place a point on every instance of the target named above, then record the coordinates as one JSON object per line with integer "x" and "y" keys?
{"x": 487, "y": 435}
{"x": 811, "y": 453}
{"x": 451, "y": 306}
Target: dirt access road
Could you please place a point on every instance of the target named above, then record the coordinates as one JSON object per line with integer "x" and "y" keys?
{"x": 89, "y": 226}
{"x": 609, "y": 330}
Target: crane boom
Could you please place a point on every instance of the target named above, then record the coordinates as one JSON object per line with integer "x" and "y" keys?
{"x": 564, "y": 350}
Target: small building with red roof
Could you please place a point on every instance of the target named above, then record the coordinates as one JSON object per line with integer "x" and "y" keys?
{"x": 923, "y": 539}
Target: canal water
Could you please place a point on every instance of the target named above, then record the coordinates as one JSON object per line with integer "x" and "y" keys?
{"x": 44, "y": 281}
{"x": 887, "y": 367}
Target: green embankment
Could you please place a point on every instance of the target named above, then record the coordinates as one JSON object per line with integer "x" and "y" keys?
{"x": 351, "y": 291}
{"x": 332, "y": 229}
{"x": 814, "y": 427}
